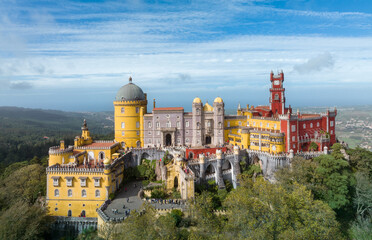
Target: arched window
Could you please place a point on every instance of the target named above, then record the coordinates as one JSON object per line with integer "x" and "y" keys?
{"x": 101, "y": 156}
{"x": 169, "y": 124}
{"x": 276, "y": 97}
{"x": 219, "y": 125}
{"x": 84, "y": 193}
{"x": 69, "y": 193}
{"x": 198, "y": 125}
{"x": 123, "y": 144}
{"x": 122, "y": 110}
{"x": 98, "y": 193}
{"x": 83, "y": 213}
{"x": 69, "y": 213}
{"x": 56, "y": 193}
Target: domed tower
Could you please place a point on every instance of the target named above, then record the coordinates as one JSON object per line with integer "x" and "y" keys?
{"x": 218, "y": 118}
{"x": 130, "y": 106}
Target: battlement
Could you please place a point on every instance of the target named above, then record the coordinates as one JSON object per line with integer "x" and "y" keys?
{"x": 71, "y": 169}
{"x": 56, "y": 150}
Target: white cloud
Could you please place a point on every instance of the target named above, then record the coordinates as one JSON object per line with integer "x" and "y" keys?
{"x": 315, "y": 64}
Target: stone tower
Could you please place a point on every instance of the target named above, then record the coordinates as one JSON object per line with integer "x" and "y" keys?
{"x": 197, "y": 122}
{"x": 218, "y": 118}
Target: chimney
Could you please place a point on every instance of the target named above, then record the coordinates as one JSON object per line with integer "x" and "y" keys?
{"x": 154, "y": 103}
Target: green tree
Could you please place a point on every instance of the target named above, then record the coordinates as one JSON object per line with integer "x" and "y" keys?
{"x": 23, "y": 221}
{"x": 328, "y": 177}
{"x": 261, "y": 210}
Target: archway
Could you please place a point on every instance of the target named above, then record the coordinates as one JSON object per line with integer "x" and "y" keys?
{"x": 145, "y": 155}
{"x": 175, "y": 185}
{"x": 101, "y": 155}
{"x": 226, "y": 165}
{"x": 168, "y": 140}
{"x": 82, "y": 213}
{"x": 191, "y": 155}
{"x": 138, "y": 144}
{"x": 208, "y": 140}
{"x": 210, "y": 170}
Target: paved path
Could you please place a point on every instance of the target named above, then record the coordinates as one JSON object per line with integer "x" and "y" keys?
{"x": 127, "y": 200}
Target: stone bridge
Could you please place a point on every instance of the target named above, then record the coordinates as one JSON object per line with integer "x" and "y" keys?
{"x": 148, "y": 153}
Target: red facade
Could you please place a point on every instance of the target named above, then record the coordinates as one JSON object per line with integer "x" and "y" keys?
{"x": 300, "y": 129}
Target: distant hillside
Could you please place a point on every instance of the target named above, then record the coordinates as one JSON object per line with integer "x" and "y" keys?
{"x": 26, "y": 133}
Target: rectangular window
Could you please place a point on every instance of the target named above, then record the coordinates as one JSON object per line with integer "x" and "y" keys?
{"x": 122, "y": 110}
{"x": 304, "y": 125}
{"x": 137, "y": 124}
{"x": 268, "y": 125}
{"x": 122, "y": 133}
{"x": 55, "y": 182}
{"x": 150, "y": 125}
{"x": 137, "y": 109}
{"x": 178, "y": 125}
{"x": 83, "y": 182}
{"x": 275, "y": 126}
{"x": 157, "y": 125}
{"x": 294, "y": 146}
{"x": 138, "y": 133}
{"x": 293, "y": 128}
{"x": 331, "y": 132}
{"x": 317, "y": 124}
{"x": 331, "y": 123}
{"x": 254, "y": 123}
{"x": 187, "y": 124}
{"x": 311, "y": 125}
{"x": 169, "y": 124}
{"x": 293, "y": 138}
{"x": 158, "y": 133}
{"x": 228, "y": 124}
{"x": 69, "y": 182}
{"x": 123, "y": 125}
{"x": 208, "y": 124}
{"x": 96, "y": 182}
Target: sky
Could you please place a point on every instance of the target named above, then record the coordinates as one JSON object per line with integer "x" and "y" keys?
{"x": 75, "y": 55}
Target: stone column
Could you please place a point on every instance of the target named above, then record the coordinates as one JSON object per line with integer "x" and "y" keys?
{"x": 219, "y": 176}
{"x": 202, "y": 167}
{"x": 236, "y": 167}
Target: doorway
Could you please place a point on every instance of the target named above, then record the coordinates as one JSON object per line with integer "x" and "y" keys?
{"x": 208, "y": 140}
{"x": 168, "y": 140}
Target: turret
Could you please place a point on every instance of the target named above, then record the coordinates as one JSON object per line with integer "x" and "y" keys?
{"x": 236, "y": 167}
{"x": 218, "y": 118}
{"x": 197, "y": 121}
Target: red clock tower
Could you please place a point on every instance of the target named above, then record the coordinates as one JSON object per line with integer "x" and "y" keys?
{"x": 277, "y": 98}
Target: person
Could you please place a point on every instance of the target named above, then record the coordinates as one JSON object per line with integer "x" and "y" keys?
{"x": 127, "y": 199}
{"x": 124, "y": 206}
{"x": 135, "y": 185}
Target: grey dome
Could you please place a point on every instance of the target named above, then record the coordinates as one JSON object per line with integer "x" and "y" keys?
{"x": 130, "y": 92}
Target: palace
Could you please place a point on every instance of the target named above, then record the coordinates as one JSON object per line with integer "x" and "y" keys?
{"x": 80, "y": 178}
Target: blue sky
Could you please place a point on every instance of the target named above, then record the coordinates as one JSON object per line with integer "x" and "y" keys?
{"x": 75, "y": 55}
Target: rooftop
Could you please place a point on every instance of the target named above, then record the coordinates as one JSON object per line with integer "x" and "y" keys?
{"x": 169, "y": 109}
